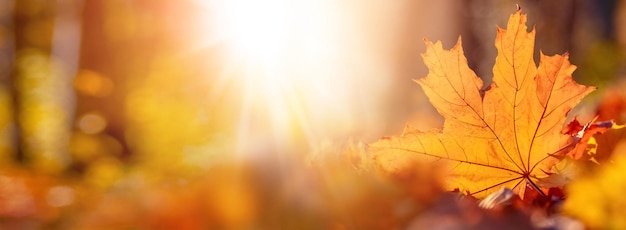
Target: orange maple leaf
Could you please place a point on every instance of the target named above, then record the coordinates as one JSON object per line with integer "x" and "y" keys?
{"x": 508, "y": 135}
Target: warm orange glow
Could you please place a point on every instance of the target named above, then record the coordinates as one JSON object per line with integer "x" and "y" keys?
{"x": 92, "y": 83}
{"x": 265, "y": 114}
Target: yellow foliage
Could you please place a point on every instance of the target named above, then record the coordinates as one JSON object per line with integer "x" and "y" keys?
{"x": 598, "y": 199}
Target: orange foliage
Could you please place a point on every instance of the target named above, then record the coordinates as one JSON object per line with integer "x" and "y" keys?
{"x": 505, "y": 136}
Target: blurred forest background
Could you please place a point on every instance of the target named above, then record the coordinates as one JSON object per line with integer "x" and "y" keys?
{"x": 192, "y": 114}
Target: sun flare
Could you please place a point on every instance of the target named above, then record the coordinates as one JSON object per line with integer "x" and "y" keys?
{"x": 256, "y": 37}
{"x": 286, "y": 56}
{"x": 255, "y": 30}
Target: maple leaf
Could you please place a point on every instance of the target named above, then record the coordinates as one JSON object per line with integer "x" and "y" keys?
{"x": 508, "y": 135}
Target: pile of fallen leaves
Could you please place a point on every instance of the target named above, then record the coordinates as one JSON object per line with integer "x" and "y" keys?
{"x": 509, "y": 158}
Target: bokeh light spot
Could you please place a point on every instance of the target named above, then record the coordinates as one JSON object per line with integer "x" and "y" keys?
{"x": 92, "y": 123}
{"x": 60, "y": 196}
{"x": 92, "y": 83}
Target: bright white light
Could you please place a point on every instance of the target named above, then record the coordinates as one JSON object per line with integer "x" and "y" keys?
{"x": 290, "y": 60}
{"x": 254, "y": 30}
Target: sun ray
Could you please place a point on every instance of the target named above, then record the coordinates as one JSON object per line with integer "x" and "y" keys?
{"x": 290, "y": 70}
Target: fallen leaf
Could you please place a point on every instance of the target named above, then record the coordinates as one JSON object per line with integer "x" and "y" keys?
{"x": 584, "y": 137}
{"x": 462, "y": 212}
{"x": 612, "y": 106}
{"x": 507, "y": 135}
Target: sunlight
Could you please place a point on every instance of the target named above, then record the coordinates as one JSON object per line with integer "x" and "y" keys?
{"x": 256, "y": 34}
{"x": 291, "y": 64}
{"x": 256, "y": 30}
{"x": 259, "y": 36}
